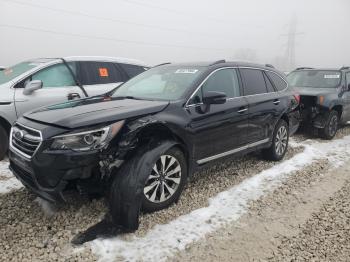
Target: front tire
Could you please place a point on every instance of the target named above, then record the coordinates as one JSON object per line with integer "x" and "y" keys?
{"x": 4, "y": 143}
{"x": 280, "y": 140}
{"x": 331, "y": 127}
{"x": 127, "y": 192}
{"x": 166, "y": 181}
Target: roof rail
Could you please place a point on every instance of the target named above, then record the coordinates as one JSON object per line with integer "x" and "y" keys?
{"x": 167, "y": 63}
{"x": 345, "y": 67}
{"x": 218, "y": 62}
{"x": 269, "y": 65}
{"x": 301, "y": 68}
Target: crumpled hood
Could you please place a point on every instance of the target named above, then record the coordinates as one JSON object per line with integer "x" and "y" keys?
{"x": 311, "y": 91}
{"x": 94, "y": 111}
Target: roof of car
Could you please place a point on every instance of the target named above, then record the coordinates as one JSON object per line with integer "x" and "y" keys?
{"x": 221, "y": 63}
{"x": 92, "y": 58}
{"x": 322, "y": 69}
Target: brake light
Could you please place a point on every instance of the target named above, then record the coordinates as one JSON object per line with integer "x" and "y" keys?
{"x": 321, "y": 100}
{"x": 297, "y": 98}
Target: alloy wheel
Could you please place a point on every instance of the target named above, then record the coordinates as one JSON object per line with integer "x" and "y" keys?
{"x": 164, "y": 179}
{"x": 281, "y": 140}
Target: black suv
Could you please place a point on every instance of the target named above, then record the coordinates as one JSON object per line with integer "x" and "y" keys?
{"x": 140, "y": 142}
{"x": 325, "y": 97}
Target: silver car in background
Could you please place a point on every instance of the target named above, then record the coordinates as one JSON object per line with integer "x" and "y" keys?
{"x": 39, "y": 82}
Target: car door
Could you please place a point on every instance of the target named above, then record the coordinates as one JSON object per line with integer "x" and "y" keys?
{"x": 264, "y": 106}
{"x": 346, "y": 99}
{"x": 222, "y": 127}
{"x": 99, "y": 77}
{"x": 58, "y": 86}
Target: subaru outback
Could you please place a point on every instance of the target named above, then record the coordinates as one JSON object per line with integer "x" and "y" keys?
{"x": 139, "y": 143}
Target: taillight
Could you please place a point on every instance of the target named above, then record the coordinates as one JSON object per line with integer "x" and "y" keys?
{"x": 321, "y": 100}
{"x": 297, "y": 98}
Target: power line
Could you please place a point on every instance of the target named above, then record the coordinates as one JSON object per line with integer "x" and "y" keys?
{"x": 171, "y": 10}
{"x": 217, "y": 20}
{"x": 109, "y": 19}
{"x": 108, "y": 38}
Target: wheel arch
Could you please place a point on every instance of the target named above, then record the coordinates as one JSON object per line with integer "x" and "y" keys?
{"x": 339, "y": 109}
{"x": 5, "y": 124}
{"x": 149, "y": 130}
{"x": 285, "y": 117}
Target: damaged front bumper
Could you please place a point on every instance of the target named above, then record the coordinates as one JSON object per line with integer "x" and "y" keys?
{"x": 314, "y": 116}
{"x": 48, "y": 175}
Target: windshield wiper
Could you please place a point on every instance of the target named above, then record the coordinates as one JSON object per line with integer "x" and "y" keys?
{"x": 128, "y": 97}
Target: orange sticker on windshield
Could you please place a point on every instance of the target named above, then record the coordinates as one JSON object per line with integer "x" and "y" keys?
{"x": 103, "y": 72}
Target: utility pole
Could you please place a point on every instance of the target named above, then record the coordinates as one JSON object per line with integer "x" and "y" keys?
{"x": 290, "y": 54}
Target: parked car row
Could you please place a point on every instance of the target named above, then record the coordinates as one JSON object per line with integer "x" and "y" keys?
{"x": 138, "y": 143}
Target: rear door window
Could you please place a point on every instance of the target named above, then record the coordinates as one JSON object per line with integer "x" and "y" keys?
{"x": 95, "y": 73}
{"x": 254, "y": 82}
{"x": 132, "y": 70}
{"x": 278, "y": 81}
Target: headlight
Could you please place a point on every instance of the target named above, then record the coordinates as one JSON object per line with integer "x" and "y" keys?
{"x": 87, "y": 140}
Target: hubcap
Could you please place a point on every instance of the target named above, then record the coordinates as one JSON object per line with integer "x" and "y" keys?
{"x": 281, "y": 140}
{"x": 333, "y": 124}
{"x": 164, "y": 179}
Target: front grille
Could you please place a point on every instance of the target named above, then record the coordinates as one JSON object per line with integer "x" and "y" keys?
{"x": 25, "y": 140}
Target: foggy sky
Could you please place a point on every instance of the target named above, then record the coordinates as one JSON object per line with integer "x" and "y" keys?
{"x": 157, "y": 31}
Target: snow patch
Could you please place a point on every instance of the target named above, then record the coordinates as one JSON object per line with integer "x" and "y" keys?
{"x": 7, "y": 181}
{"x": 164, "y": 241}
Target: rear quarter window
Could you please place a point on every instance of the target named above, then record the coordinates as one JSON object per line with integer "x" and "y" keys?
{"x": 95, "y": 73}
{"x": 132, "y": 70}
{"x": 278, "y": 81}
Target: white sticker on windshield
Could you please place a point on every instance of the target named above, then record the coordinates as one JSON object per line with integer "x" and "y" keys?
{"x": 186, "y": 71}
{"x": 331, "y": 76}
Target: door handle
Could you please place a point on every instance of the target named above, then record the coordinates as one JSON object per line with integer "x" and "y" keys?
{"x": 276, "y": 102}
{"x": 72, "y": 96}
{"x": 242, "y": 110}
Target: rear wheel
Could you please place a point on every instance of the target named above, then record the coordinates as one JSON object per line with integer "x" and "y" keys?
{"x": 4, "y": 142}
{"x": 279, "y": 145}
{"x": 331, "y": 127}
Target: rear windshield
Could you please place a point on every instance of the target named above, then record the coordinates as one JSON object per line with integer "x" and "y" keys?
{"x": 314, "y": 78}
{"x": 12, "y": 72}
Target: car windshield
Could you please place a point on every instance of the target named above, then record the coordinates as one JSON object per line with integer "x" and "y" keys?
{"x": 160, "y": 83}
{"x": 12, "y": 72}
{"x": 314, "y": 78}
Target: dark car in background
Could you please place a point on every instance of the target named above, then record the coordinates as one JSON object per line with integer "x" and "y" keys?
{"x": 139, "y": 143}
{"x": 325, "y": 97}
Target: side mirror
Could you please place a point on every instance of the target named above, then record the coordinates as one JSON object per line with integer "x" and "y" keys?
{"x": 214, "y": 97}
{"x": 31, "y": 86}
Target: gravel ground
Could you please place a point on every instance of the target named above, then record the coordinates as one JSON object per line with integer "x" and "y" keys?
{"x": 28, "y": 234}
{"x": 325, "y": 236}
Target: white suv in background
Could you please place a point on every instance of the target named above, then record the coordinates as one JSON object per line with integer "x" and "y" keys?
{"x": 39, "y": 82}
